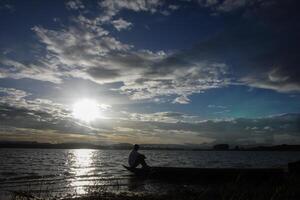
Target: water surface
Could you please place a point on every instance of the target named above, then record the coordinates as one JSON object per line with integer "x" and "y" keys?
{"x": 76, "y": 171}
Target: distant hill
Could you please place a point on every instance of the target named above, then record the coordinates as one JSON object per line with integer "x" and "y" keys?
{"x": 127, "y": 146}
{"x": 283, "y": 147}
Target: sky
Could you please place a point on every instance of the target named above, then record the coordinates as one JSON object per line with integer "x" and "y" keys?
{"x": 150, "y": 71}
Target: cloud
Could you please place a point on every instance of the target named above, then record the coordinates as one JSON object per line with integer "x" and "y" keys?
{"x": 17, "y": 70}
{"x": 240, "y": 131}
{"x": 157, "y": 136}
{"x": 263, "y": 58}
{"x": 77, "y": 50}
{"x": 216, "y": 106}
{"x": 47, "y": 136}
{"x": 113, "y": 7}
{"x": 88, "y": 51}
{"x": 75, "y": 5}
{"x": 121, "y": 24}
{"x": 208, "y": 3}
{"x": 19, "y": 99}
{"x": 164, "y": 127}
{"x": 166, "y": 117}
{"x": 20, "y": 111}
{"x": 231, "y": 5}
{"x": 53, "y": 120}
{"x": 182, "y": 100}
{"x": 274, "y": 79}
{"x": 7, "y": 7}
{"x": 173, "y": 7}
{"x": 228, "y": 6}
{"x": 165, "y": 78}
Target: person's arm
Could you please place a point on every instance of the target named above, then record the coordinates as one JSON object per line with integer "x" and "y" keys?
{"x": 142, "y": 155}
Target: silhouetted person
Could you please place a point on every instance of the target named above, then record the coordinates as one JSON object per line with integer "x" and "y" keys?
{"x": 135, "y": 158}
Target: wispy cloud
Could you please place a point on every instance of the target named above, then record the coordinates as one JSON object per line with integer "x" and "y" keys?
{"x": 113, "y": 7}
{"x": 75, "y": 5}
{"x": 121, "y": 24}
{"x": 41, "y": 71}
{"x": 7, "y": 7}
{"x": 182, "y": 100}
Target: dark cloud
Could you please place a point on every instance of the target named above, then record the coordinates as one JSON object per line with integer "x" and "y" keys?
{"x": 39, "y": 120}
{"x": 99, "y": 73}
{"x": 7, "y": 6}
{"x": 262, "y": 47}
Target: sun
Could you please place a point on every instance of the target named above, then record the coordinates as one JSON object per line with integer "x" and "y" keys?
{"x": 86, "y": 110}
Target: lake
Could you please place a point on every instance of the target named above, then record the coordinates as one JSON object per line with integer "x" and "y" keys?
{"x": 76, "y": 171}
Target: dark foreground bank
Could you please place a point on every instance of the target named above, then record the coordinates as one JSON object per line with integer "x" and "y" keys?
{"x": 287, "y": 189}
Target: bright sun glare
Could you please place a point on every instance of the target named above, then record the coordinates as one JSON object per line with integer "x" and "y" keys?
{"x": 86, "y": 110}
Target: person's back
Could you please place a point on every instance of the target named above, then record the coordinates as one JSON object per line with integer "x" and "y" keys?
{"x": 135, "y": 158}
{"x": 132, "y": 157}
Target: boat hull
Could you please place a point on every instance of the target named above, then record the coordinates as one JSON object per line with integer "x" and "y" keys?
{"x": 208, "y": 174}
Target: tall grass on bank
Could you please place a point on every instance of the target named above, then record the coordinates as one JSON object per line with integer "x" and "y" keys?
{"x": 288, "y": 189}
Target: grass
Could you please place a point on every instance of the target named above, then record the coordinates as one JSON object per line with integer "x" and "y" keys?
{"x": 289, "y": 189}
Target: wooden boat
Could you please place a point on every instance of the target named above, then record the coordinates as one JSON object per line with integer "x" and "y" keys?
{"x": 207, "y": 174}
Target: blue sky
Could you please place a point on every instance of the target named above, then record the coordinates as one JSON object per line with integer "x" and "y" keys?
{"x": 156, "y": 71}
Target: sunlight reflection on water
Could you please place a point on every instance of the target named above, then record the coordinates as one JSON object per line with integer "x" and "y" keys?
{"x": 82, "y": 162}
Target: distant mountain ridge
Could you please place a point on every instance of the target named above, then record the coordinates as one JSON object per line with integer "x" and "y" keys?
{"x": 127, "y": 146}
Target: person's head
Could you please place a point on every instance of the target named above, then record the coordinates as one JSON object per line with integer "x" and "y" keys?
{"x": 136, "y": 147}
